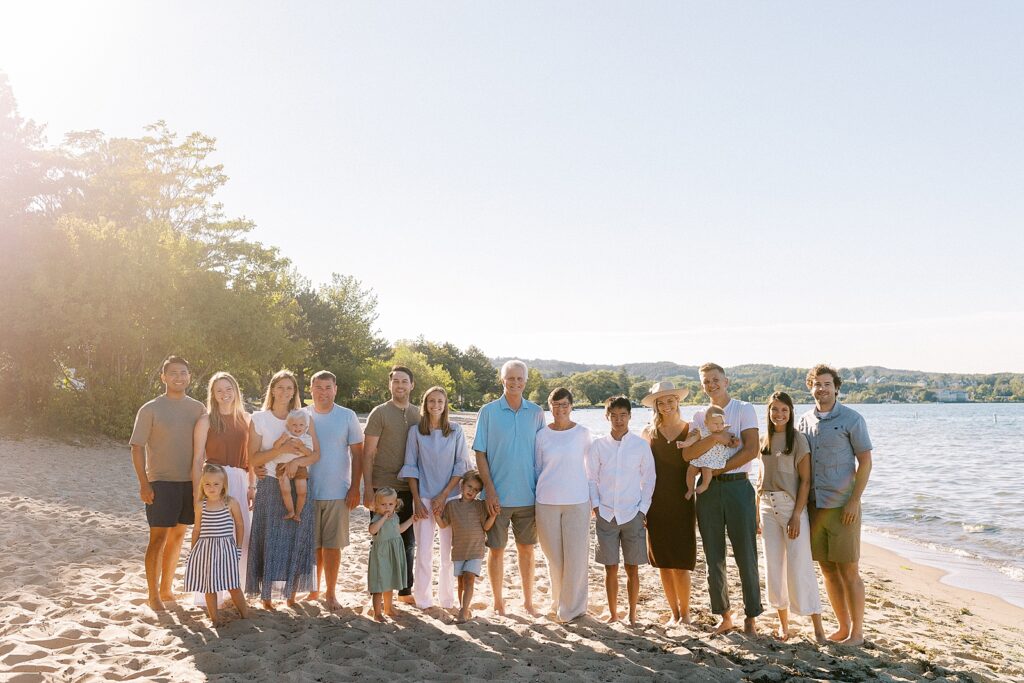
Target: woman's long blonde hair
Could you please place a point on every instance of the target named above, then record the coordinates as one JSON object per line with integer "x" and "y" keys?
{"x": 657, "y": 419}
{"x": 268, "y": 398}
{"x": 237, "y": 411}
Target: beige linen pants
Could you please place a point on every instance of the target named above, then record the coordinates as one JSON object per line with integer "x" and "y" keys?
{"x": 564, "y": 532}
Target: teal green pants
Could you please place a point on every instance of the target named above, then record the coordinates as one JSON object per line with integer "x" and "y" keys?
{"x": 727, "y": 507}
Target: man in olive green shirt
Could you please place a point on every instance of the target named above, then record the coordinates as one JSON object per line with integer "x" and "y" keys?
{"x": 384, "y": 437}
{"x": 161, "y": 444}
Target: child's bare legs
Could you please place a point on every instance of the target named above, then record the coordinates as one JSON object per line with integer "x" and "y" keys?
{"x": 466, "y": 582}
{"x": 378, "y": 607}
{"x": 705, "y": 479}
{"x": 285, "y": 484}
{"x": 300, "y": 490}
{"x": 211, "y": 608}
{"x": 240, "y": 604}
{"x": 691, "y": 481}
{"x": 388, "y": 609}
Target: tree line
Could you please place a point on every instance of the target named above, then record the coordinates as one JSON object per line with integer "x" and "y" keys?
{"x": 115, "y": 252}
{"x": 591, "y": 384}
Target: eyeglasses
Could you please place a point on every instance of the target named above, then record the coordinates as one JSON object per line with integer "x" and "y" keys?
{"x": 561, "y": 404}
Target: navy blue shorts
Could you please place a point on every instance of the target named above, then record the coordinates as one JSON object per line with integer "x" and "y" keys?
{"x": 172, "y": 504}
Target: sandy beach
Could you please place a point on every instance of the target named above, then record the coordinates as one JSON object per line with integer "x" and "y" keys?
{"x": 72, "y": 607}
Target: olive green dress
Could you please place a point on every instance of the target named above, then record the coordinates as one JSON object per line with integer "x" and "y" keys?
{"x": 386, "y": 571}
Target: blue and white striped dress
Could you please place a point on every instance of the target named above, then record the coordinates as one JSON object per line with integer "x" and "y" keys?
{"x": 213, "y": 561}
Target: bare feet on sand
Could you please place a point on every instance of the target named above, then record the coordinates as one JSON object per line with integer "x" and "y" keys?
{"x": 841, "y": 634}
{"x": 156, "y": 604}
{"x": 855, "y": 640}
{"x": 612, "y": 618}
{"x": 313, "y": 595}
{"x": 530, "y": 609}
{"x": 725, "y": 624}
{"x": 407, "y": 599}
{"x": 268, "y": 605}
{"x": 464, "y": 615}
{"x": 332, "y": 603}
{"x": 750, "y": 626}
{"x": 499, "y": 607}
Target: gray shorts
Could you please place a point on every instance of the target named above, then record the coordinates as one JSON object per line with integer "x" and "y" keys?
{"x": 632, "y": 536}
{"x": 524, "y": 526}
{"x": 330, "y": 526}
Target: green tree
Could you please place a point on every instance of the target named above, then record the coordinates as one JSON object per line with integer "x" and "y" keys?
{"x": 337, "y": 322}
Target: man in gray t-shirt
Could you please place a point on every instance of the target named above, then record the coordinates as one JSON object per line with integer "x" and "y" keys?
{"x": 161, "y": 444}
{"x": 840, "y": 467}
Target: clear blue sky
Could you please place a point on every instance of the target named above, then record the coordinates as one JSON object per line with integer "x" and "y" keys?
{"x": 604, "y": 182}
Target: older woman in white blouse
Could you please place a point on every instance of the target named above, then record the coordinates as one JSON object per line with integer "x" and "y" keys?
{"x": 563, "y": 506}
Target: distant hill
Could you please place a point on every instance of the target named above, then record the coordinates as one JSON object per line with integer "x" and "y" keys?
{"x": 653, "y": 371}
{"x": 868, "y": 384}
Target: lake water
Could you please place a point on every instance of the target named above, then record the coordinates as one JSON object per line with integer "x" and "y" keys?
{"x": 946, "y": 487}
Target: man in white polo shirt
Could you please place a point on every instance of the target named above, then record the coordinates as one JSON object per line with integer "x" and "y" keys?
{"x": 729, "y": 504}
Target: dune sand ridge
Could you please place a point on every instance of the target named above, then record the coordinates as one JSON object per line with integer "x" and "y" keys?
{"x": 72, "y": 607}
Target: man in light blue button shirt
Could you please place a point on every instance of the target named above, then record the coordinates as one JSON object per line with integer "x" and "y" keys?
{"x": 840, "y": 467}
{"x": 506, "y": 431}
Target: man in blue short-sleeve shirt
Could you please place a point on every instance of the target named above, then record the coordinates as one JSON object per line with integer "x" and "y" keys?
{"x": 506, "y": 431}
{"x": 840, "y": 467}
{"x": 335, "y": 478}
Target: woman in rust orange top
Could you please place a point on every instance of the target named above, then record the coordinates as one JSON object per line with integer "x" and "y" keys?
{"x": 221, "y": 437}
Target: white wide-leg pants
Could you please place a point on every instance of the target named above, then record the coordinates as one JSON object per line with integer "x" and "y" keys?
{"x": 791, "y": 579}
{"x": 423, "y": 584}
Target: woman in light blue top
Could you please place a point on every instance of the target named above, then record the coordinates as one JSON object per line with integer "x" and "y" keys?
{"x": 435, "y": 460}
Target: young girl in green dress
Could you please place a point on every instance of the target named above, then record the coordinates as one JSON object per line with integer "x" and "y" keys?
{"x": 387, "y": 572}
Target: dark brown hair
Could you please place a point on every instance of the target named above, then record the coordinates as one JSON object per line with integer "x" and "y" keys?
{"x": 822, "y": 369}
{"x": 766, "y": 443}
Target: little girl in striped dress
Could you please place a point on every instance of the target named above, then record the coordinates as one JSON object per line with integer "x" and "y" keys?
{"x": 216, "y": 539}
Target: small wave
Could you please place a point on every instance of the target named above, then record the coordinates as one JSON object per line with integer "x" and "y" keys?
{"x": 979, "y": 528}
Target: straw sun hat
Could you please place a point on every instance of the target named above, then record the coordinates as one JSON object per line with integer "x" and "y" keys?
{"x": 663, "y": 389}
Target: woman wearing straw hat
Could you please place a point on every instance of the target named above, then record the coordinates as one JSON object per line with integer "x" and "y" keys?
{"x": 672, "y": 519}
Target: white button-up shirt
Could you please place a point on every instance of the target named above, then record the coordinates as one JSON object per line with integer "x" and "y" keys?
{"x": 621, "y": 477}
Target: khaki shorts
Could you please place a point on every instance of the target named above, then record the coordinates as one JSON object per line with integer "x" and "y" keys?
{"x": 330, "y": 526}
{"x": 831, "y": 540}
{"x": 524, "y": 526}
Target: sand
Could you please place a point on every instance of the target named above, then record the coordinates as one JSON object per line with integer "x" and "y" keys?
{"x": 72, "y": 607}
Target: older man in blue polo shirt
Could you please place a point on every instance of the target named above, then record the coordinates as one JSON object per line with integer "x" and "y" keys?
{"x": 506, "y": 431}
{"x": 840, "y": 467}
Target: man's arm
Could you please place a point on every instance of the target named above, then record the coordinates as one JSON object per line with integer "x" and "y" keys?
{"x": 493, "y": 503}
{"x": 860, "y": 482}
{"x": 746, "y": 453}
{"x": 369, "y": 453}
{"x": 139, "y": 462}
{"x": 699, "y": 448}
{"x": 352, "y": 497}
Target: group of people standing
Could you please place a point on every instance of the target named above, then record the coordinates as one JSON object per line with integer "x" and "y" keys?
{"x": 544, "y": 480}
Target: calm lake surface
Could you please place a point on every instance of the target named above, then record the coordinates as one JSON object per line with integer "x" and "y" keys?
{"x": 947, "y": 479}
